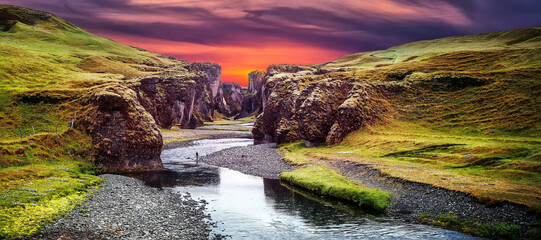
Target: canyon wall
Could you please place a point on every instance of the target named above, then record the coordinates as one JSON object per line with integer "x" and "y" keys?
{"x": 254, "y": 99}
{"x": 315, "y": 105}
{"x": 123, "y": 119}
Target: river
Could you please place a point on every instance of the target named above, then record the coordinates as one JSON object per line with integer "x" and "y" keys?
{"x": 248, "y": 207}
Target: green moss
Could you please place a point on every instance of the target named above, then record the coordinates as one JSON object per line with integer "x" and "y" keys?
{"x": 497, "y": 230}
{"x": 42, "y": 178}
{"x": 34, "y": 195}
{"x": 324, "y": 181}
{"x": 297, "y": 153}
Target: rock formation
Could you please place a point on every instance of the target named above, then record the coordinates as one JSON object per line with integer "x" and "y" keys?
{"x": 182, "y": 97}
{"x": 254, "y": 99}
{"x": 303, "y": 102}
{"x": 229, "y": 100}
{"x": 124, "y": 135}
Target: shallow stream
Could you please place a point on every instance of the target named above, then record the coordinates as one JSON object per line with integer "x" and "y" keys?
{"x": 249, "y": 207}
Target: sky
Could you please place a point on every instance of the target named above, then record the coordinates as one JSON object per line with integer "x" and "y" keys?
{"x": 247, "y": 35}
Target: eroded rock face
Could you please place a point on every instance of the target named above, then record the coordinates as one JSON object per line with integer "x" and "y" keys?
{"x": 254, "y": 99}
{"x": 187, "y": 98}
{"x": 366, "y": 104}
{"x": 316, "y": 108}
{"x": 124, "y": 135}
{"x": 324, "y": 110}
{"x": 277, "y": 122}
{"x": 229, "y": 100}
{"x": 174, "y": 100}
{"x": 122, "y": 119}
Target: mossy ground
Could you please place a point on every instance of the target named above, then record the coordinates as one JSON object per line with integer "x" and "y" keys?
{"x": 231, "y": 122}
{"x": 492, "y": 169}
{"x": 326, "y": 182}
{"x": 47, "y": 167}
{"x": 42, "y": 178}
{"x": 494, "y": 231}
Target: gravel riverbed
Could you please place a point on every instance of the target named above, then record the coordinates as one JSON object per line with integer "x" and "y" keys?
{"x": 411, "y": 199}
{"x": 259, "y": 160}
{"x": 125, "y": 208}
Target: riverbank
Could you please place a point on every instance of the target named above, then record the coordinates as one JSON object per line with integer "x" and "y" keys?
{"x": 414, "y": 201}
{"x": 125, "y": 208}
{"x": 259, "y": 160}
{"x": 175, "y": 137}
{"x": 411, "y": 202}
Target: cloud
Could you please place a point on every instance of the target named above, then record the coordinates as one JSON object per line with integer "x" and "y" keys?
{"x": 337, "y": 26}
{"x": 348, "y": 25}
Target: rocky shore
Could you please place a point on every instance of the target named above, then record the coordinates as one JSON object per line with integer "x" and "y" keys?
{"x": 410, "y": 199}
{"x": 124, "y": 208}
{"x": 259, "y": 160}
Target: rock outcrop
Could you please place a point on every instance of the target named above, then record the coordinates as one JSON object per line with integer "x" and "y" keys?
{"x": 124, "y": 135}
{"x": 182, "y": 97}
{"x": 229, "y": 100}
{"x": 303, "y": 102}
{"x": 123, "y": 119}
{"x": 254, "y": 99}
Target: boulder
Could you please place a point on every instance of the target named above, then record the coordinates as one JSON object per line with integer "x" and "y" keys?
{"x": 124, "y": 135}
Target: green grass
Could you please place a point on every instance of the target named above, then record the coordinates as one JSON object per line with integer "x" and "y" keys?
{"x": 493, "y": 169}
{"x": 177, "y": 139}
{"x": 297, "y": 153}
{"x": 45, "y": 64}
{"x": 326, "y": 182}
{"x": 45, "y": 192}
{"x": 56, "y": 58}
{"x": 513, "y": 159}
{"x": 494, "y": 231}
{"x": 42, "y": 178}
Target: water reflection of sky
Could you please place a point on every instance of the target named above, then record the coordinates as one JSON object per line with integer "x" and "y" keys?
{"x": 249, "y": 207}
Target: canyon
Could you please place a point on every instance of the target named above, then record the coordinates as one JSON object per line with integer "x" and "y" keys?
{"x": 458, "y": 113}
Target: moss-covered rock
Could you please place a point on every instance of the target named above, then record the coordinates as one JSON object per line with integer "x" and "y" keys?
{"x": 124, "y": 135}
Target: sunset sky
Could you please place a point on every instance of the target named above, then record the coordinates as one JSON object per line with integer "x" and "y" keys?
{"x": 247, "y": 35}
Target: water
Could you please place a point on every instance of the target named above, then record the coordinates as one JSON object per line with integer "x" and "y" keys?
{"x": 249, "y": 207}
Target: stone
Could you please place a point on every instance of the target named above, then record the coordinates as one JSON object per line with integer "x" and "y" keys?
{"x": 124, "y": 135}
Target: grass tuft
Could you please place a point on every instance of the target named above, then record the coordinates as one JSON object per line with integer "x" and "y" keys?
{"x": 324, "y": 181}
{"x": 496, "y": 230}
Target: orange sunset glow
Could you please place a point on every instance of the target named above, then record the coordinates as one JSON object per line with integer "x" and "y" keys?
{"x": 237, "y": 61}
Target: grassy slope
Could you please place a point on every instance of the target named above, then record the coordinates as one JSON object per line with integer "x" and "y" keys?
{"x": 483, "y": 140}
{"x": 46, "y": 59}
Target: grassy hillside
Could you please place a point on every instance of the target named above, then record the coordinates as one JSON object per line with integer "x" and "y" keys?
{"x": 509, "y": 61}
{"x": 46, "y": 63}
{"x": 44, "y": 52}
{"x": 468, "y": 120}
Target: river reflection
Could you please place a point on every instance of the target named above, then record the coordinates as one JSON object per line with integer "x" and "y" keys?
{"x": 248, "y": 207}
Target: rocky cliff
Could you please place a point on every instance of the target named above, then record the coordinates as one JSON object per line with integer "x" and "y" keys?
{"x": 229, "y": 100}
{"x": 254, "y": 99}
{"x": 123, "y": 120}
{"x": 302, "y": 103}
{"x": 124, "y": 135}
{"x": 436, "y": 86}
{"x": 183, "y": 96}
{"x": 120, "y": 96}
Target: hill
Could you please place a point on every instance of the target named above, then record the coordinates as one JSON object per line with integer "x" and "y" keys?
{"x": 73, "y": 104}
{"x": 460, "y": 113}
